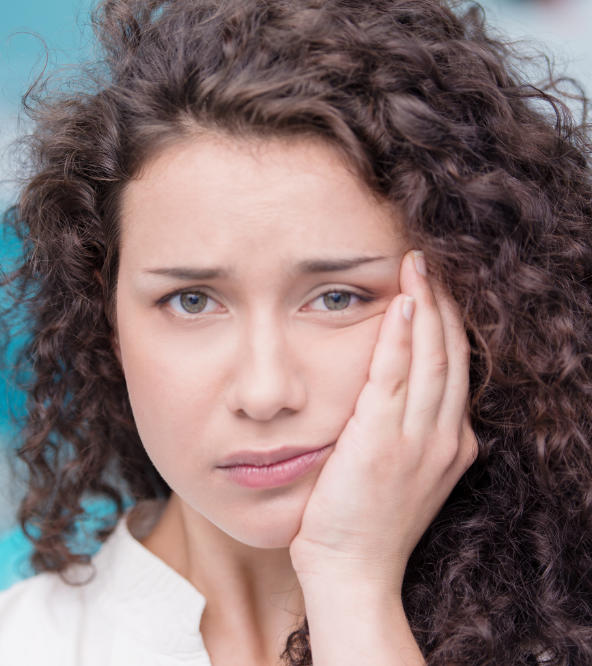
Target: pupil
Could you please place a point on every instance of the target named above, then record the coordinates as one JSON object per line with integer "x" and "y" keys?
{"x": 192, "y": 302}
{"x": 335, "y": 299}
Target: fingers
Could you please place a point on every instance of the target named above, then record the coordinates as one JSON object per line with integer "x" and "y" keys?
{"x": 429, "y": 356}
{"x": 389, "y": 367}
{"x": 437, "y": 397}
{"x": 419, "y": 373}
{"x": 392, "y": 353}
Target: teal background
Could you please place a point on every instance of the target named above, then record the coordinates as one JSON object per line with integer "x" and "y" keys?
{"x": 27, "y": 27}
{"x": 32, "y": 33}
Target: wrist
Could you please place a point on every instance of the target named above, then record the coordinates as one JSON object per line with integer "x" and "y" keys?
{"x": 352, "y": 590}
{"x": 320, "y": 563}
{"x": 352, "y": 623}
{"x": 336, "y": 576}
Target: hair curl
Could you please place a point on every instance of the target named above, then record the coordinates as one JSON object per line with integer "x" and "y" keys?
{"x": 492, "y": 175}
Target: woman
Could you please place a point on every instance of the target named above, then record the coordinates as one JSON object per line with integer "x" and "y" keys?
{"x": 340, "y": 234}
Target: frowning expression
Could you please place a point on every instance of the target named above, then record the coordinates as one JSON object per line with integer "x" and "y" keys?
{"x": 252, "y": 283}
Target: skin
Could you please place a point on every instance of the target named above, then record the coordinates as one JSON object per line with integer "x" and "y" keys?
{"x": 267, "y": 363}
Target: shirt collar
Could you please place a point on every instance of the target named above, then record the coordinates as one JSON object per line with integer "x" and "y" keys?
{"x": 145, "y": 597}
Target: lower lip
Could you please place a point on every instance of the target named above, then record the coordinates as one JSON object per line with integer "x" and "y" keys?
{"x": 278, "y": 474}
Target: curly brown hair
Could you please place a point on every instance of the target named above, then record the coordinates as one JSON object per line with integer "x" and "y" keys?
{"x": 493, "y": 177}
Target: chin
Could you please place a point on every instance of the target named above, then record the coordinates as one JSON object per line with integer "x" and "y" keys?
{"x": 271, "y": 540}
{"x": 270, "y": 525}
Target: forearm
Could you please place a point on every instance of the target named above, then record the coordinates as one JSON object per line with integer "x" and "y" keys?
{"x": 350, "y": 625}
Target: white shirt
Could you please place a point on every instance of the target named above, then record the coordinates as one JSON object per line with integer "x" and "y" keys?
{"x": 135, "y": 611}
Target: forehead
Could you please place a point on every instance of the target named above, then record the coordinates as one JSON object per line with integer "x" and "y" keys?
{"x": 219, "y": 195}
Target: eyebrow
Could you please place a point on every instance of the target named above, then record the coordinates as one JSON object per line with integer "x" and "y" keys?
{"x": 304, "y": 267}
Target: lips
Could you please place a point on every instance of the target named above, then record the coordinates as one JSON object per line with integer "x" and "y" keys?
{"x": 263, "y": 458}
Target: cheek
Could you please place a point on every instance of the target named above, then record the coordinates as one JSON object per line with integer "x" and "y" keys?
{"x": 168, "y": 386}
{"x": 343, "y": 359}
{"x": 172, "y": 396}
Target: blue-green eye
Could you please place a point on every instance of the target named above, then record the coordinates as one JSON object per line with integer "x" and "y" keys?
{"x": 193, "y": 303}
{"x": 189, "y": 302}
{"x": 337, "y": 300}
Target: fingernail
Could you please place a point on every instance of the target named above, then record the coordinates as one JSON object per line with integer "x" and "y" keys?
{"x": 420, "y": 264}
{"x": 408, "y": 307}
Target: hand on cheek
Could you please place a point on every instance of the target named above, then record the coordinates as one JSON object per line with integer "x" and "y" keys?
{"x": 405, "y": 447}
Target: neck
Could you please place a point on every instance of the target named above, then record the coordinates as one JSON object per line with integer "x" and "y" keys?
{"x": 253, "y": 598}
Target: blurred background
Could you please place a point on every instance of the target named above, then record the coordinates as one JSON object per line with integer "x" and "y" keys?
{"x": 562, "y": 28}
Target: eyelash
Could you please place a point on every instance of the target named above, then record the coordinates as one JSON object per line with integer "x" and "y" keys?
{"x": 169, "y": 297}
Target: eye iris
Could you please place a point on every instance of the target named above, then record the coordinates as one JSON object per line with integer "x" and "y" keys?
{"x": 337, "y": 300}
{"x": 193, "y": 302}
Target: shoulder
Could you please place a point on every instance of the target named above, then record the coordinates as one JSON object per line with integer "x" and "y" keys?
{"x": 54, "y": 619}
{"x": 128, "y": 608}
{"x": 40, "y": 594}
{"x": 36, "y": 616}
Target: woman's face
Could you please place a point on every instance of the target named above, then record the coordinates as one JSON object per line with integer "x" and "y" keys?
{"x": 232, "y": 332}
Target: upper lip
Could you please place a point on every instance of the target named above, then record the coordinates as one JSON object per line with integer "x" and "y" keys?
{"x": 260, "y": 458}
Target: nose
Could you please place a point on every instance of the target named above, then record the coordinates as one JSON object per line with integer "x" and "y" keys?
{"x": 266, "y": 379}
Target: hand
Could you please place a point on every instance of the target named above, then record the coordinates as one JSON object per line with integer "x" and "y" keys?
{"x": 403, "y": 450}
